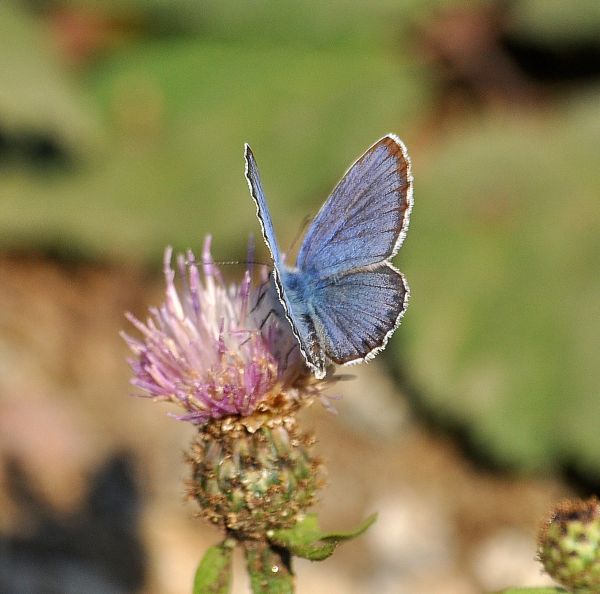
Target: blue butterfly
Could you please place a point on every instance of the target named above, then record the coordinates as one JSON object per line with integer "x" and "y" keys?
{"x": 344, "y": 298}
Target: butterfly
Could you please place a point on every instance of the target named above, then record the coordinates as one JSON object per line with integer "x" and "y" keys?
{"x": 344, "y": 298}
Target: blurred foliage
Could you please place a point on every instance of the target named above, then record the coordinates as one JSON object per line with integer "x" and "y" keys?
{"x": 553, "y": 21}
{"x": 502, "y": 257}
{"x": 179, "y": 109}
{"x": 37, "y": 97}
{"x": 264, "y": 22}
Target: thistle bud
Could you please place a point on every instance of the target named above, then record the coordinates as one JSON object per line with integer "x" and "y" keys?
{"x": 251, "y": 480}
{"x": 569, "y": 545}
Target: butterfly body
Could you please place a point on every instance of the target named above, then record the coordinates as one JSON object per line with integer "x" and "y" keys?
{"x": 344, "y": 298}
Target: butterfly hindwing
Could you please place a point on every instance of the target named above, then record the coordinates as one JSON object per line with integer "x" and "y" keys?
{"x": 357, "y": 313}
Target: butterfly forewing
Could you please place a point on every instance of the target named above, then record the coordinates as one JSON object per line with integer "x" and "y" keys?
{"x": 262, "y": 211}
{"x": 295, "y": 311}
{"x": 366, "y": 217}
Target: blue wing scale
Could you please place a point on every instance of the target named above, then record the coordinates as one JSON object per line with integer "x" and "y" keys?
{"x": 359, "y": 312}
{"x": 365, "y": 219}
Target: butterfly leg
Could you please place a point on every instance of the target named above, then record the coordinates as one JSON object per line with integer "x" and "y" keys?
{"x": 261, "y": 295}
{"x": 290, "y": 351}
{"x": 270, "y": 312}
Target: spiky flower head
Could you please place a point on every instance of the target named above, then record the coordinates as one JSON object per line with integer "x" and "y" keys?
{"x": 225, "y": 354}
{"x": 569, "y": 545}
{"x": 212, "y": 348}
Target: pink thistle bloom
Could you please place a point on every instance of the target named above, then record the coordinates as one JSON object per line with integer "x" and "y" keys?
{"x": 213, "y": 348}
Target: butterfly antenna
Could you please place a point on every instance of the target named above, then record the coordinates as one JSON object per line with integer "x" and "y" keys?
{"x": 240, "y": 262}
{"x": 251, "y": 251}
{"x": 305, "y": 222}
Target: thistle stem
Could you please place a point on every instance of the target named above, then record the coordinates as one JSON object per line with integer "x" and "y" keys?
{"x": 269, "y": 568}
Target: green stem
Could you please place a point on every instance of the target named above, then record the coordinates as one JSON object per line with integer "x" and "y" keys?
{"x": 269, "y": 568}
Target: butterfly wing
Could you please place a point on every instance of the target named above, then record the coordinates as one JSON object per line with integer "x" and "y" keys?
{"x": 365, "y": 219}
{"x": 357, "y": 297}
{"x": 262, "y": 211}
{"x": 352, "y": 298}
{"x": 295, "y": 310}
{"x": 356, "y": 314}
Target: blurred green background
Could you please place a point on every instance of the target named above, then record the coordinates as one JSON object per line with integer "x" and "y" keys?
{"x": 122, "y": 125}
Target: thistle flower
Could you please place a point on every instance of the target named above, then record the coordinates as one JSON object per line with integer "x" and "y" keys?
{"x": 226, "y": 355}
{"x": 213, "y": 349}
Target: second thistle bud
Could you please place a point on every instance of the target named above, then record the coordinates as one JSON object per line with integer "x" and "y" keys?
{"x": 569, "y": 545}
{"x": 250, "y": 480}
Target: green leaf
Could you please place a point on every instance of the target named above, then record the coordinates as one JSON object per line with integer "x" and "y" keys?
{"x": 306, "y": 539}
{"x": 269, "y": 569}
{"x": 213, "y": 575}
